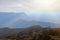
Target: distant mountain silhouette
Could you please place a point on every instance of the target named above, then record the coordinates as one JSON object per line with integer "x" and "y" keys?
{"x": 21, "y": 20}
{"x": 9, "y": 18}
{"x": 25, "y": 24}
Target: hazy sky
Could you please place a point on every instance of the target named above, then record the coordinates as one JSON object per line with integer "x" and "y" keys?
{"x": 42, "y": 10}
{"x": 46, "y": 9}
{"x": 29, "y": 6}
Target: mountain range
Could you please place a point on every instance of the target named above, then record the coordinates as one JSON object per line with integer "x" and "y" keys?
{"x": 21, "y": 20}
{"x": 11, "y": 23}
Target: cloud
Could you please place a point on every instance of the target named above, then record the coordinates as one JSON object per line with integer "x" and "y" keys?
{"x": 29, "y": 6}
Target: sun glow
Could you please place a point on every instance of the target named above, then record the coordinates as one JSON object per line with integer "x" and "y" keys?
{"x": 30, "y": 6}
{"x": 47, "y": 2}
{"x": 41, "y": 6}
